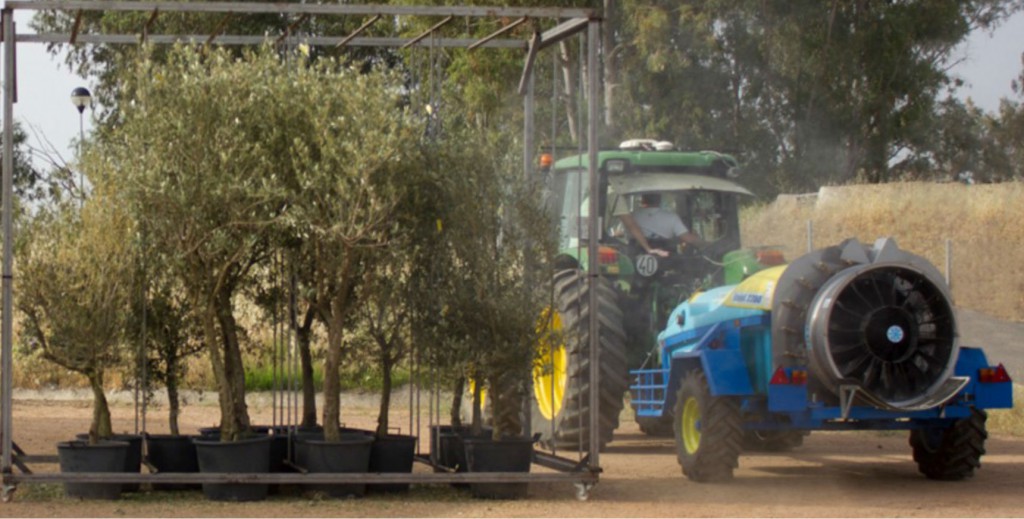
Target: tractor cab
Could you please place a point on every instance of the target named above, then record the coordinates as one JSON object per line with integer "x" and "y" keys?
{"x": 697, "y": 186}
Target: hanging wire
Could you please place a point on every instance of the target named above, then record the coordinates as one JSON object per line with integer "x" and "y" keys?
{"x": 296, "y": 378}
{"x": 145, "y": 336}
{"x": 275, "y": 273}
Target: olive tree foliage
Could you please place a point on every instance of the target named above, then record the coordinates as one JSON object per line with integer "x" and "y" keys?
{"x": 201, "y": 157}
{"x": 74, "y": 291}
{"x": 488, "y": 301}
{"x": 163, "y": 321}
{"x": 352, "y": 162}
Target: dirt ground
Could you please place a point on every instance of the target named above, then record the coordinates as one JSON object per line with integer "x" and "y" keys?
{"x": 833, "y": 474}
{"x": 863, "y": 474}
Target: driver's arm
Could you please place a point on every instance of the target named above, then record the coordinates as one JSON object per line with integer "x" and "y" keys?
{"x": 689, "y": 238}
{"x": 638, "y": 235}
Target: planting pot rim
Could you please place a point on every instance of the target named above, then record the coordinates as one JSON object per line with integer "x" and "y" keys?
{"x": 206, "y": 440}
{"x": 82, "y": 444}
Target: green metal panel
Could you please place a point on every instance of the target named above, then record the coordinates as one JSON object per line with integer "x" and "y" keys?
{"x": 652, "y": 159}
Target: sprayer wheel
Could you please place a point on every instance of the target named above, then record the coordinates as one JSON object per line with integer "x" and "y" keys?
{"x": 708, "y": 430}
{"x": 951, "y": 453}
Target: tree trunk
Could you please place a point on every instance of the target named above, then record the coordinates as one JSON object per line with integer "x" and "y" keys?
{"x": 234, "y": 414}
{"x": 304, "y": 334}
{"x": 477, "y": 422}
{"x": 100, "y": 427}
{"x": 385, "y": 394}
{"x": 173, "y": 399}
{"x": 332, "y": 385}
{"x": 456, "y": 414}
{"x": 213, "y": 343}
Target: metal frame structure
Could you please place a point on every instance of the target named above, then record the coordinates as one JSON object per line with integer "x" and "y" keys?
{"x": 570, "y": 21}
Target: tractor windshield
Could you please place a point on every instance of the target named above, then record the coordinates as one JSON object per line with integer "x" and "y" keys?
{"x": 706, "y": 205}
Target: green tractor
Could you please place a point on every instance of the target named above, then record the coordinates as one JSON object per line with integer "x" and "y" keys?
{"x": 636, "y": 290}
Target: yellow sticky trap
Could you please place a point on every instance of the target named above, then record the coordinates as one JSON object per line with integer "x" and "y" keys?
{"x": 304, "y": 49}
{"x": 439, "y": 226}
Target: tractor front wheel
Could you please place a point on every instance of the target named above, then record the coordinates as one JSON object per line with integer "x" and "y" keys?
{"x": 708, "y": 429}
{"x": 951, "y": 453}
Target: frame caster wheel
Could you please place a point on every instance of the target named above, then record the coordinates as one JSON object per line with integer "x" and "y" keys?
{"x": 583, "y": 491}
{"x": 7, "y": 493}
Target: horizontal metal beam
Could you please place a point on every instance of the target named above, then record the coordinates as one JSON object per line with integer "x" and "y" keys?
{"x": 313, "y": 9}
{"x": 562, "y": 31}
{"x": 293, "y": 478}
{"x": 130, "y": 39}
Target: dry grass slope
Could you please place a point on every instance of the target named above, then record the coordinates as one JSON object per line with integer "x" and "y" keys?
{"x": 983, "y": 222}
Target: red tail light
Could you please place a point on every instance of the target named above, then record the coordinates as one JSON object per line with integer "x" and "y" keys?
{"x": 799, "y": 377}
{"x": 795, "y": 377}
{"x": 779, "y": 378}
{"x": 607, "y": 256}
{"x": 770, "y": 257}
{"x": 993, "y": 375}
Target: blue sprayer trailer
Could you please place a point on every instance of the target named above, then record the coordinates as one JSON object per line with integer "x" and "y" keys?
{"x": 849, "y": 337}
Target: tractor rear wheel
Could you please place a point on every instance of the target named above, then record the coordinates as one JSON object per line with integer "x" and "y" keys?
{"x": 951, "y": 453}
{"x": 561, "y": 376}
{"x": 709, "y": 431}
{"x": 657, "y": 427}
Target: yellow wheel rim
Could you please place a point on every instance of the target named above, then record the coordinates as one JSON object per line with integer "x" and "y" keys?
{"x": 549, "y": 377}
{"x": 471, "y": 386}
{"x": 690, "y": 422}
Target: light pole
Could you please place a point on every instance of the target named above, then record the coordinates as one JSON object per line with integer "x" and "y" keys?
{"x": 81, "y": 98}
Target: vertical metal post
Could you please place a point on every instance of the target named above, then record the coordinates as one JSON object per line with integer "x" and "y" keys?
{"x": 593, "y": 229}
{"x": 531, "y": 266}
{"x": 8, "y": 203}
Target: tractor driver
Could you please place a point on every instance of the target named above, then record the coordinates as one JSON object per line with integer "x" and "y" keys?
{"x": 650, "y": 224}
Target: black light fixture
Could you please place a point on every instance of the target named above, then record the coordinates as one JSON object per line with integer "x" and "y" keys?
{"x": 81, "y": 98}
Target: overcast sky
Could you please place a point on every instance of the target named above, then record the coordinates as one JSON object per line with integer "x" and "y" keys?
{"x": 989, "y": 64}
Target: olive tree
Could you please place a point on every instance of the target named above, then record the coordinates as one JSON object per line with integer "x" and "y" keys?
{"x": 353, "y": 164}
{"x": 74, "y": 291}
{"x": 200, "y": 155}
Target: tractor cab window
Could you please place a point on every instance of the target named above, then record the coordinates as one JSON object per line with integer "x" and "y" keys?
{"x": 704, "y": 212}
{"x": 569, "y": 203}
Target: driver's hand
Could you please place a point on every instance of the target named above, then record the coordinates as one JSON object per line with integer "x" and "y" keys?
{"x": 660, "y": 253}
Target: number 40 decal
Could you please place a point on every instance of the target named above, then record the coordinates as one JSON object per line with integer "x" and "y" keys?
{"x": 646, "y": 265}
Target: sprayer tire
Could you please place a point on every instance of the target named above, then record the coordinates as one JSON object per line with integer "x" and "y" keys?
{"x": 569, "y": 428}
{"x": 714, "y": 451}
{"x": 951, "y": 453}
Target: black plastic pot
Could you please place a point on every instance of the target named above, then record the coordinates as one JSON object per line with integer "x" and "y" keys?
{"x": 488, "y": 455}
{"x": 445, "y": 447}
{"x": 390, "y": 454}
{"x": 351, "y": 454}
{"x": 244, "y": 456}
{"x": 172, "y": 453}
{"x": 452, "y": 450}
{"x": 79, "y": 456}
{"x": 132, "y": 459}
